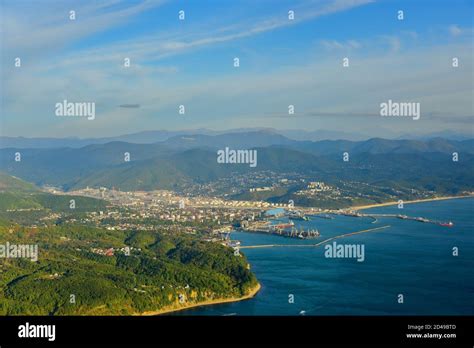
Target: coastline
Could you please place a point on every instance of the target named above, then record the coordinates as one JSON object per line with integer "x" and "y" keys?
{"x": 171, "y": 309}
{"x": 362, "y": 207}
{"x": 256, "y": 289}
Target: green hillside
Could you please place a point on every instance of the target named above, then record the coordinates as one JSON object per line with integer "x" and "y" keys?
{"x": 10, "y": 183}
{"x": 146, "y": 280}
{"x": 16, "y": 194}
{"x": 154, "y": 166}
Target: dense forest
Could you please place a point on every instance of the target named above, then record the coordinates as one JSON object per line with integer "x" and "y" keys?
{"x": 148, "y": 271}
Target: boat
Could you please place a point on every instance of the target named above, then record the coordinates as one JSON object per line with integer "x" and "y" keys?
{"x": 447, "y": 224}
{"x": 296, "y": 215}
{"x": 404, "y": 217}
{"x": 302, "y": 234}
{"x": 283, "y": 226}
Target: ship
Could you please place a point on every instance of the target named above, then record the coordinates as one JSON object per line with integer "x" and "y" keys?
{"x": 352, "y": 214}
{"x": 302, "y": 234}
{"x": 313, "y": 233}
{"x": 283, "y": 226}
{"x": 404, "y": 217}
{"x": 297, "y": 216}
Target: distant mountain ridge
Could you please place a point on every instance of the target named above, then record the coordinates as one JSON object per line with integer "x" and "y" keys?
{"x": 191, "y": 159}
{"x": 149, "y": 137}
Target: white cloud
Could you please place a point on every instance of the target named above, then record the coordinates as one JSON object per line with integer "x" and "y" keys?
{"x": 332, "y": 45}
{"x": 393, "y": 42}
{"x": 454, "y": 30}
{"x": 96, "y": 74}
{"x": 156, "y": 48}
{"x": 323, "y": 85}
{"x": 46, "y": 27}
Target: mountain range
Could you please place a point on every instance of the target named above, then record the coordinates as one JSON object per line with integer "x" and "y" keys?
{"x": 149, "y": 137}
{"x": 182, "y": 160}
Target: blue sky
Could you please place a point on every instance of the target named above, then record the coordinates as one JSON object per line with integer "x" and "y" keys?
{"x": 190, "y": 62}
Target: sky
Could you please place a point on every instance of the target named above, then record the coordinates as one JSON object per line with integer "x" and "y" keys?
{"x": 190, "y": 62}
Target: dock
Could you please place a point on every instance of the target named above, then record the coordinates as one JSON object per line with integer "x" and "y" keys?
{"x": 398, "y": 216}
{"x": 281, "y": 229}
{"x": 376, "y": 229}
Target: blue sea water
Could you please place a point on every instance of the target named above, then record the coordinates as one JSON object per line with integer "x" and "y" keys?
{"x": 410, "y": 258}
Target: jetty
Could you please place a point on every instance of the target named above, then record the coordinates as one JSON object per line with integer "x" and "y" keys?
{"x": 397, "y": 216}
{"x": 286, "y": 229}
{"x": 376, "y": 229}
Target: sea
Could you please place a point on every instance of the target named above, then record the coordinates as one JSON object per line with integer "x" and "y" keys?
{"x": 409, "y": 268}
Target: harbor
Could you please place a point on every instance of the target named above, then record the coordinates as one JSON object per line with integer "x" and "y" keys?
{"x": 390, "y": 253}
{"x": 317, "y": 244}
{"x": 288, "y": 229}
{"x": 281, "y": 222}
{"x": 306, "y": 213}
{"x": 397, "y": 216}
{"x": 285, "y": 229}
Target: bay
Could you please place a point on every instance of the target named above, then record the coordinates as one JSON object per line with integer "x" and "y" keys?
{"x": 410, "y": 258}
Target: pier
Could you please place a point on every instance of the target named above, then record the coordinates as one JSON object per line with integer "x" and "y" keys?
{"x": 398, "y": 216}
{"x": 289, "y": 230}
{"x": 281, "y": 229}
{"x": 374, "y": 216}
{"x": 327, "y": 214}
{"x": 317, "y": 244}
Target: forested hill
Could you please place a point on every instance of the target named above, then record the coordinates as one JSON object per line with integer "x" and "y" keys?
{"x": 186, "y": 160}
{"x": 161, "y": 272}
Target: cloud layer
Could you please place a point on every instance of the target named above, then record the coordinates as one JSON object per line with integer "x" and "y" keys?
{"x": 82, "y": 61}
